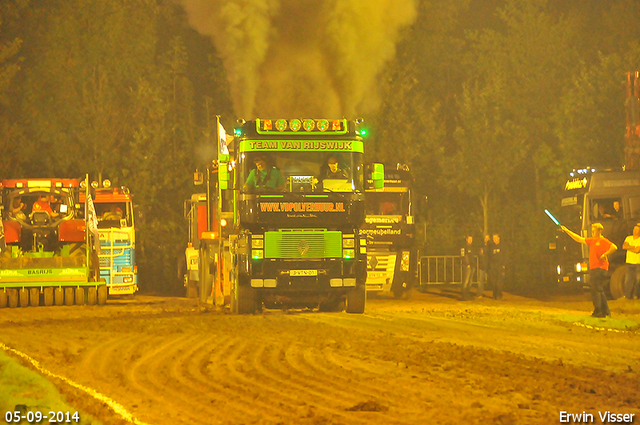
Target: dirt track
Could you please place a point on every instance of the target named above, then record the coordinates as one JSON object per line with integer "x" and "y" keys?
{"x": 429, "y": 359}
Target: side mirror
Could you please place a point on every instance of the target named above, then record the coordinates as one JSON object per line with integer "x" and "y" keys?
{"x": 377, "y": 175}
{"x": 223, "y": 175}
{"x": 198, "y": 178}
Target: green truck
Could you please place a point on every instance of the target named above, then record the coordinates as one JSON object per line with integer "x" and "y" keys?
{"x": 297, "y": 202}
{"x": 49, "y": 244}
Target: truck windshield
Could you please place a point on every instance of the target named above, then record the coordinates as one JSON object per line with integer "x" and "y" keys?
{"x": 300, "y": 171}
{"x": 110, "y": 214}
{"x": 385, "y": 203}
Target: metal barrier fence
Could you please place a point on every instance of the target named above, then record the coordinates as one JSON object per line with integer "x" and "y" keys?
{"x": 443, "y": 269}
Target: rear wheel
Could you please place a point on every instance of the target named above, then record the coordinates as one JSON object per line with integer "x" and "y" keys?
{"x": 243, "y": 297}
{"x": 24, "y": 297}
{"x": 58, "y": 296}
{"x": 3, "y": 298}
{"x": 34, "y": 297}
{"x": 12, "y": 295}
{"x": 48, "y": 297}
{"x": 616, "y": 284}
{"x": 356, "y": 299}
{"x": 102, "y": 294}
{"x": 68, "y": 296}
{"x": 92, "y": 295}
{"x": 80, "y": 295}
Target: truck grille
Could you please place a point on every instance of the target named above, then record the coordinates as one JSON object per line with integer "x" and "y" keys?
{"x": 303, "y": 244}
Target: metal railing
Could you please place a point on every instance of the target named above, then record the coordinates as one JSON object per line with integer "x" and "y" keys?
{"x": 443, "y": 269}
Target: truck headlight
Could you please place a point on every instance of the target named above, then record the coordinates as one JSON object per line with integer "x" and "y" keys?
{"x": 405, "y": 261}
{"x": 257, "y": 243}
{"x": 257, "y": 254}
{"x": 348, "y": 242}
{"x": 559, "y": 269}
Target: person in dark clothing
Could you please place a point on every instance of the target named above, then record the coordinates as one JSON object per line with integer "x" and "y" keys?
{"x": 483, "y": 264}
{"x": 599, "y": 250}
{"x": 468, "y": 254}
{"x": 264, "y": 178}
{"x": 497, "y": 267}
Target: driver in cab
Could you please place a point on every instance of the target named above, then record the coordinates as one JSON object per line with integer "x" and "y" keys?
{"x": 42, "y": 204}
{"x": 334, "y": 170}
{"x": 265, "y": 177}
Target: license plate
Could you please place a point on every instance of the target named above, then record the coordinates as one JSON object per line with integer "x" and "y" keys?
{"x": 303, "y": 273}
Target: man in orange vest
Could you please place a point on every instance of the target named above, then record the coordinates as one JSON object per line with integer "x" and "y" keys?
{"x": 599, "y": 250}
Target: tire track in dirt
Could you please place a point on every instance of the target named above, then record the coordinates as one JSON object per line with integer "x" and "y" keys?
{"x": 150, "y": 370}
{"x": 208, "y": 367}
{"x": 283, "y": 380}
{"x": 142, "y": 374}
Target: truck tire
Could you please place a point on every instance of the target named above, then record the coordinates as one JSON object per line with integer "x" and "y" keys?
{"x": 92, "y": 295}
{"x": 12, "y": 294}
{"x": 68, "y": 296}
{"x": 58, "y": 296}
{"x": 24, "y": 297}
{"x": 192, "y": 289}
{"x": 48, "y": 297}
{"x": 357, "y": 299}
{"x": 34, "y": 297}
{"x": 243, "y": 298}
{"x": 616, "y": 284}
{"x": 80, "y": 295}
{"x": 102, "y": 294}
{"x": 3, "y": 298}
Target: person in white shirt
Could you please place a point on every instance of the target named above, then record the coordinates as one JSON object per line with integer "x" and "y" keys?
{"x": 632, "y": 277}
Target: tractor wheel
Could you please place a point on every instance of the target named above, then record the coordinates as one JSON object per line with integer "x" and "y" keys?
{"x": 48, "y": 297}
{"x": 3, "y": 298}
{"x": 34, "y": 297}
{"x": 68, "y": 296}
{"x": 102, "y": 294}
{"x": 24, "y": 297}
{"x": 92, "y": 295}
{"x": 616, "y": 284}
{"x": 12, "y": 294}
{"x": 58, "y": 296}
{"x": 79, "y": 295}
{"x": 356, "y": 299}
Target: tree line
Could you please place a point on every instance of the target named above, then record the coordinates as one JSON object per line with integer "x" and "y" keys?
{"x": 490, "y": 103}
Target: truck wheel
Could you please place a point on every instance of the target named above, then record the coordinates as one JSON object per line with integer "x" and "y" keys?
{"x": 58, "y": 296}
{"x": 3, "y": 299}
{"x": 192, "y": 289}
{"x": 356, "y": 299}
{"x": 48, "y": 297}
{"x": 92, "y": 295}
{"x": 24, "y": 297}
{"x": 12, "y": 294}
{"x": 243, "y": 299}
{"x": 102, "y": 294}
{"x": 398, "y": 291}
{"x": 34, "y": 297}
{"x": 68, "y": 296}
{"x": 616, "y": 284}
{"x": 80, "y": 295}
